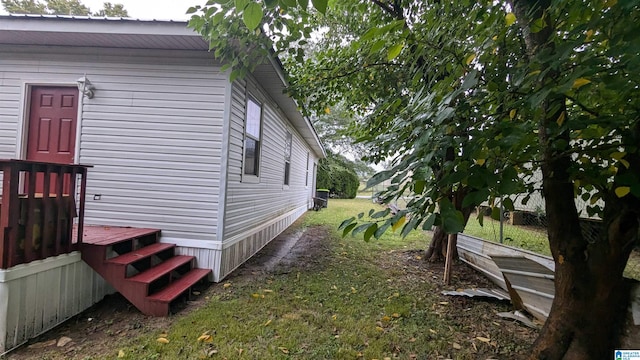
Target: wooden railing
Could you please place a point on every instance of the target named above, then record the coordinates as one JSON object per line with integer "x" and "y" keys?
{"x": 37, "y": 210}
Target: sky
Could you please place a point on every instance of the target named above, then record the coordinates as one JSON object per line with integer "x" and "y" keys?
{"x": 147, "y": 9}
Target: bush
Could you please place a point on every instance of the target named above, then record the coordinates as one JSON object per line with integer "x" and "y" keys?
{"x": 337, "y": 174}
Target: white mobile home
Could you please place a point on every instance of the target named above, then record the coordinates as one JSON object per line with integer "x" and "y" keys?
{"x": 189, "y": 170}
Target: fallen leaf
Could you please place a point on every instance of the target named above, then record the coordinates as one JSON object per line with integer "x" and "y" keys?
{"x": 205, "y": 338}
{"x": 380, "y": 329}
{"x": 64, "y": 341}
{"x": 121, "y": 354}
{"x": 433, "y": 331}
{"x": 267, "y": 323}
{"x": 334, "y": 316}
{"x": 283, "y": 349}
{"x": 395, "y": 315}
{"x": 353, "y": 290}
{"x": 255, "y": 295}
{"x": 457, "y": 346}
{"x": 386, "y": 318}
{"x": 483, "y": 339}
{"x": 42, "y": 344}
{"x": 240, "y": 351}
{"x": 196, "y": 293}
{"x": 267, "y": 291}
{"x": 163, "y": 340}
{"x": 412, "y": 340}
{"x": 226, "y": 285}
{"x": 444, "y": 303}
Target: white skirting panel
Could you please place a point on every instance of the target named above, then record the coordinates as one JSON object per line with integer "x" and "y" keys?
{"x": 38, "y": 296}
{"x": 240, "y": 248}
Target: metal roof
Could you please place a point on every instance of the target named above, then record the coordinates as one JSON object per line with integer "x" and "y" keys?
{"x": 128, "y": 33}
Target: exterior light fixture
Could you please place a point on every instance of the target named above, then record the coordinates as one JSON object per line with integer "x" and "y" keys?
{"x": 86, "y": 87}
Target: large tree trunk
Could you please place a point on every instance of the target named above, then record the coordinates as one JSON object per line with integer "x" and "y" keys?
{"x": 590, "y": 294}
{"x": 437, "y": 250}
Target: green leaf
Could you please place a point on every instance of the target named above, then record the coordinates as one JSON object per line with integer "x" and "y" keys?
{"x": 381, "y": 214}
{"x": 360, "y": 215}
{"x": 370, "y": 231}
{"x": 452, "y": 219}
{"x": 241, "y": 4}
{"x": 495, "y": 213}
{"x": 428, "y": 224}
{"x": 320, "y": 5}
{"x": 252, "y": 15}
{"x": 348, "y": 229}
{"x": 346, "y": 222}
{"x": 377, "y": 46}
{"x": 303, "y": 3}
{"x": 538, "y": 25}
{"x": 192, "y": 9}
{"x": 381, "y": 230}
{"x": 507, "y": 203}
{"x": 394, "y": 51}
{"x": 418, "y": 188}
{"x": 288, "y": 3}
{"x": 360, "y": 229}
{"x": 271, "y": 3}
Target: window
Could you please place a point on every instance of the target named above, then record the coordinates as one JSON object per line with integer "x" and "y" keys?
{"x": 306, "y": 179}
{"x": 252, "y": 137}
{"x": 287, "y": 157}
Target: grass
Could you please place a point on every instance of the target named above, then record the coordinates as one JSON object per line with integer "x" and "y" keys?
{"x": 528, "y": 238}
{"x": 354, "y": 303}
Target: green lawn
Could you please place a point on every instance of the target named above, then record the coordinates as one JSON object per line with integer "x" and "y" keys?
{"x": 359, "y": 301}
{"x": 529, "y": 238}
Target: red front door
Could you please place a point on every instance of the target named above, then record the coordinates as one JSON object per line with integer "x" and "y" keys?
{"x": 52, "y": 127}
{"x": 52, "y": 124}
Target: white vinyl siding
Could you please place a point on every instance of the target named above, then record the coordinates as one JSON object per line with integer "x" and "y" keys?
{"x": 250, "y": 205}
{"x": 153, "y": 132}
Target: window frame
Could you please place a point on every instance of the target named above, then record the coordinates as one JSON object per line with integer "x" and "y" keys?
{"x": 288, "y": 148}
{"x": 248, "y": 136}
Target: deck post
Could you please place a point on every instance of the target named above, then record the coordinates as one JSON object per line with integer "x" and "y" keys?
{"x": 451, "y": 239}
{"x": 9, "y": 214}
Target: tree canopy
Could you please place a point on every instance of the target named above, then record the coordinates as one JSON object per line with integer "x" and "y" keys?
{"x": 475, "y": 101}
{"x": 61, "y": 7}
{"x": 337, "y": 174}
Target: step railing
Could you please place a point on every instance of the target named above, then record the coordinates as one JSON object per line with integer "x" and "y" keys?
{"x": 37, "y": 216}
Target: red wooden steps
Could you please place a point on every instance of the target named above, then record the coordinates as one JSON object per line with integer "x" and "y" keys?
{"x": 144, "y": 271}
{"x": 142, "y": 253}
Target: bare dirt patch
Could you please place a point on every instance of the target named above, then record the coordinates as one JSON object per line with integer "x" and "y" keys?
{"x": 113, "y": 321}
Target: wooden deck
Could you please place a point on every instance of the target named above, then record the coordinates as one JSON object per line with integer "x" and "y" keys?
{"x": 108, "y": 235}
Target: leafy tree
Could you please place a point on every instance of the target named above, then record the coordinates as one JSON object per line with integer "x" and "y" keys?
{"x": 336, "y": 173}
{"x": 61, "y": 7}
{"x": 112, "y": 10}
{"x": 473, "y": 100}
{"x": 24, "y": 7}
{"x": 335, "y": 130}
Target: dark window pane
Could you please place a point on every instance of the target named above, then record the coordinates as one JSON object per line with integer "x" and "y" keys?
{"x": 251, "y": 157}
{"x": 287, "y": 166}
